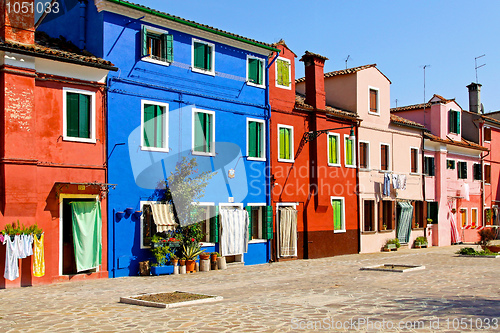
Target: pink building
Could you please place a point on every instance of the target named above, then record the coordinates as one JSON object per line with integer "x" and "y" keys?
{"x": 452, "y": 171}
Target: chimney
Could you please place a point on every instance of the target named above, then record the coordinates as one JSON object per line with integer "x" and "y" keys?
{"x": 17, "y": 21}
{"x": 474, "y": 97}
{"x": 315, "y": 79}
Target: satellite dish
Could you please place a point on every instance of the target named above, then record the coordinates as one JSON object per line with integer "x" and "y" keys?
{"x": 482, "y": 108}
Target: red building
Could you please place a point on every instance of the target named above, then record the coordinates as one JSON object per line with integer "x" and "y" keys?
{"x": 53, "y": 146}
{"x": 313, "y": 191}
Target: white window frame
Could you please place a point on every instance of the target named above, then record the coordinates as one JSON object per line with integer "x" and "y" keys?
{"x": 198, "y": 70}
{"x": 368, "y": 162}
{"x": 263, "y": 85}
{"x": 388, "y": 156}
{"x": 165, "y": 124}
{"x": 378, "y": 101}
{"x": 477, "y": 216}
{"x": 285, "y": 204}
{"x": 289, "y": 87}
{"x": 206, "y": 204}
{"x": 342, "y": 199}
{"x": 337, "y": 135}
{"x": 346, "y": 136}
{"x": 155, "y": 31}
{"x": 212, "y": 149}
{"x": 466, "y": 217}
{"x": 483, "y": 175}
{"x": 92, "y": 119}
{"x": 417, "y": 160}
{"x": 263, "y": 140}
{"x": 292, "y": 159}
{"x": 260, "y": 205}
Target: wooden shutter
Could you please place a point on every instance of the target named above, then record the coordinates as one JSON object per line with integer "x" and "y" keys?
{"x": 199, "y": 55}
{"x": 393, "y": 215}
{"x": 208, "y": 57}
{"x": 144, "y": 40}
{"x": 337, "y": 215}
{"x": 252, "y": 144}
{"x": 332, "y": 149}
{"x": 487, "y": 134}
{"x": 258, "y": 140}
{"x": 457, "y": 115}
{"x": 432, "y": 166}
{"x": 413, "y": 160}
{"x": 413, "y": 215}
{"x": 72, "y": 104}
{"x": 487, "y": 174}
{"x": 208, "y": 132}
{"x": 214, "y": 224}
{"x": 158, "y": 123}
{"x": 380, "y": 215}
{"x": 167, "y": 47}
{"x": 450, "y": 121}
{"x": 362, "y": 155}
{"x": 253, "y": 71}
{"x": 260, "y": 71}
{"x": 373, "y": 101}
{"x": 348, "y": 152}
{"x": 83, "y": 116}
{"x": 149, "y": 128}
{"x": 267, "y": 223}
{"x": 249, "y": 211}
{"x": 383, "y": 157}
{"x": 424, "y": 214}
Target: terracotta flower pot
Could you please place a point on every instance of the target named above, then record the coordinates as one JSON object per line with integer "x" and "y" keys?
{"x": 190, "y": 265}
{"x": 204, "y": 256}
{"x": 213, "y": 257}
{"x": 182, "y": 262}
{"x": 174, "y": 261}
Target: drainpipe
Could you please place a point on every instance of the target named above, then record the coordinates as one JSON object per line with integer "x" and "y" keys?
{"x": 83, "y": 25}
{"x": 268, "y": 143}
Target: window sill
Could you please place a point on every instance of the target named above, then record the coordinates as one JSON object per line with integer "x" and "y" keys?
{"x": 160, "y": 150}
{"x": 202, "y": 71}
{"x": 286, "y": 161}
{"x": 414, "y": 174}
{"x": 385, "y": 231}
{"x": 199, "y": 153}
{"x": 82, "y": 140}
{"x": 155, "y": 61}
{"x": 259, "y": 159}
{"x": 334, "y": 165}
{"x": 257, "y": 241}
{"x": 369, "y": 232}
{"x": 256, "y": 85}
{"x": 203, "y": 244}
{"x": 339, "y": 231}
{"x": 350, "y": 166}
{"x": 419, "y": 228}
{"x": 284, "y": 87}
{"x": 374, "y": 113}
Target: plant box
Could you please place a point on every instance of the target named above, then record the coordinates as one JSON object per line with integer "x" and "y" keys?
{"x": 419, "y": 245}
{"x": 390, "y": 247}
{"x": 162, "y": 270}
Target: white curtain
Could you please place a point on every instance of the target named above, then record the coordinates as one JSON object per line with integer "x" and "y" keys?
{"x": 288, "y": 231}
{"x": 163, "y": 216}
{"x": 234, "y": 231}
{"x": 455, "y": 235}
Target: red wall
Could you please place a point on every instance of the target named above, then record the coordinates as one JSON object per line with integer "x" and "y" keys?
{"x": 36, "y": 159}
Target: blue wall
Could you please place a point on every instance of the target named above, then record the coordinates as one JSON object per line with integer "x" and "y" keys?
{"x": 118, "y": 39}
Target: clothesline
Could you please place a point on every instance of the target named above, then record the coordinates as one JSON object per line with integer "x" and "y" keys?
{"x": 20, "y": 247}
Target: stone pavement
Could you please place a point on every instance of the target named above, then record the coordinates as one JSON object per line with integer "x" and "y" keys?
{"x": 452, "y": 294}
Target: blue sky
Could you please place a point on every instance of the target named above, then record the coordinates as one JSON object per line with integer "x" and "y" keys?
{"x": 399, "y": 36}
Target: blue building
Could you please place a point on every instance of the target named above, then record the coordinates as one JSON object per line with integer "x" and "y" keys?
{"x": 182, "y": 89}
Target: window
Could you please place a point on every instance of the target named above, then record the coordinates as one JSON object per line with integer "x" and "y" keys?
{"x": 255, "y": 139}
{"x": 255, "y": 71}
{"x": 384, "y": 157}
{"x": 283, "y": 73}
{"x": 79, "y": 115}
{"x": 285, "y": 145}
{"x": 350, "y": 157}
{"x": 364, "y": 155}
{"x": 157, "y": 45}
{"x": 488, "y": 216}
{"x": 487, "y": 174}
{"x": 333, "y": 149}
{"x": 420, "y": 214}
{"x": 369, "y": 215}
{"x": 432, "y": 212}
{"x": 338, "y": 214}
{"x": 203, "y": 132}
{"x": 429, "y": 166}
{"x": 374, "y": 102}
{"x": 386, "y": 214}
{"x": 148, "y": 226}
{"x": 260, "y": 224}
{"x": 463, "y": 217}
{"x": 474, "y": 221}
{"x": 450, "y": 164}
{"x": 487, "y": 134}
{"x": 203, "y": 57}
{"x": 477, "y": 171}
{"x": 454, "y": 121}
{"x": 414, "y": 160}
{"x": 154, "y": 124}
{"x": 462, "y": 170}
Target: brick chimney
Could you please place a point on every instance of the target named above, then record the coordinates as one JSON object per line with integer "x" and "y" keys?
{"x": 474, "y": 97}
{"x": 16, "y": 26}
{"x": 315, "y": 79}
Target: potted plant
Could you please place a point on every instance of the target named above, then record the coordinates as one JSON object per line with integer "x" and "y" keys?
{"x": 161, "y": 253}
{"x": 384, "y": 226}
{"x": 417, "y": 225}
{"x": 190, "y": 252}
{"x": 486, "y": 235}
{"x": 420, "y": 241}
{"x": 429, "y": 221}
{"x": 213, "y": 256}
{"x": 174, "y": 259}
{"x": 204, "y": 255}
{"x": 392, "y": 244}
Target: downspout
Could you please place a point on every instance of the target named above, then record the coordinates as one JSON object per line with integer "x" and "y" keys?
{"x": 426, "y": 233}
{"x": 357, "y": 186}
{"x": 268, "y": 145}
{"x": 82, "y": 25}
{"x": 113, "y": 266}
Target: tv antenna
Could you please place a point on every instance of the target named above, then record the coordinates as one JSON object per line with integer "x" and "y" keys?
{"x": 424, "y": 67}
{"x": 348, "y": 56}
{"x": 476, "y": 66}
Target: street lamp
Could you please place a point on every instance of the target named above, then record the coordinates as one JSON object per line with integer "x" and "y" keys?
{"x": 312, "y": 135}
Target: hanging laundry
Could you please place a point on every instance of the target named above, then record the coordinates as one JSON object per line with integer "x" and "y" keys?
{"x": 387, "y": 184}
{"x": 11, "y": 257}
{"x": 466, "y": 191}
{"x": 402, "y": 182}
{"x": 21, "y": 253}
{"x": 394, "y": 181}
{"x": 28, "y": 245}
{"x": 234, "y": 231}
{"x": 1, "y": 238}
{"x": 39, "y": 257}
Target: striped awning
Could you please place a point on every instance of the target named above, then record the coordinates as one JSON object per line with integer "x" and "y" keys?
{"x": 163, "y": 217}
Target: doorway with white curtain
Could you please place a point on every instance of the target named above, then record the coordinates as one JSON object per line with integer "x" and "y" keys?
{"x": 286, "y": 229}
{"x": 236, "y": 258}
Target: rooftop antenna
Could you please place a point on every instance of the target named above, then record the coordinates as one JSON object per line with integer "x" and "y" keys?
{"x": 476, "y": 66}
{"x": 424, "y": 67}
{"x": 347, "y": 60}
{"x": 396, "y": 102}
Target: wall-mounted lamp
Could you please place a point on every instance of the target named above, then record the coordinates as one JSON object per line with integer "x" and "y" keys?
{"x": 312, "y": 135}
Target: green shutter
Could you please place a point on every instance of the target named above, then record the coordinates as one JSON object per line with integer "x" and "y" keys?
{"x": 149, "y": 128}
{"x": 332, "y": 148}
{"x": 287, "y": 144}
{"x": 249, "y": 211}
{"x": 457, "y": 114}
{"x": 282, "y": 143}
{"x": 208, "y": 133}
{"x": 260, "y": 72}
{"x": 199, "y": 55}
{"x": 286, "y": 72}
{"x": 267, "y": 223}
{"x": 214, "y": 224}
{"x": 199, "y": 125}
{"x": 144, "y": 35}
{"x": 208, "y": 57}
{"x": 158, "y": 126}
{"x": 72, "y": 105}
{"x": 168, "y": 47}
{"x": 348, "y": 152}
{"x": 252, "y": 70}
{"x": 84, "y": 116}
{"x": 258, "y": 140}
{"x": 252, "y": 144}
{"x": 337, "y": 215}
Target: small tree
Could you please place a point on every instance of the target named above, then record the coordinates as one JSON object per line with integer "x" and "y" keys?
{"x": 486, "y": 236}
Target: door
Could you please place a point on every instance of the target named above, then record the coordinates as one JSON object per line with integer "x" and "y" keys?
{"x": 287, "y": 231}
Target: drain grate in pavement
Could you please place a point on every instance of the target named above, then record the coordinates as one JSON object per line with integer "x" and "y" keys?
{"x": 393, "y": 268}
{"x": 169, "y": 300}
